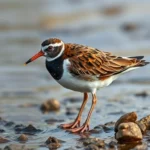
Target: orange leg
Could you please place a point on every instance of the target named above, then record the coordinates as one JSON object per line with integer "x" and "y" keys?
{"x": 85, "y": 126}
{"x": 76, "y": 123}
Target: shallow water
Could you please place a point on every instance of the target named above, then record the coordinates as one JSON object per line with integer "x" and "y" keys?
{"x": 25, "y": 24}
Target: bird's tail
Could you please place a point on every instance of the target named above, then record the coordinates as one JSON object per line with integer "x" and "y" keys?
{"x": 139, "y": 61}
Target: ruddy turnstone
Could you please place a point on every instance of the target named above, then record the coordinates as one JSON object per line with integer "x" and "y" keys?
{"x": 83, "y": 69}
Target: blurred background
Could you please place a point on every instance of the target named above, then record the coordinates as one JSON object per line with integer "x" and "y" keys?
{"x": 118, "y": 26}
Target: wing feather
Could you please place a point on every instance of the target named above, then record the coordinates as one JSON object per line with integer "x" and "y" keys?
{"x": 87, "y": 61}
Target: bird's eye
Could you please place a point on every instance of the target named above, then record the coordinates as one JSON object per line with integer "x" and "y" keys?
{"x": 50, "y": 48}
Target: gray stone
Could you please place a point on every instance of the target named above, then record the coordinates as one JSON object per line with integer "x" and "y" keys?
{"x": 128, "y": 132}
{"x": 129, "y": 117}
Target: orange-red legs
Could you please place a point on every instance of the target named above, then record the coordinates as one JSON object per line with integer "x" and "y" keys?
{"x": 76, "y": 123}
{"x": 85, "y": 126}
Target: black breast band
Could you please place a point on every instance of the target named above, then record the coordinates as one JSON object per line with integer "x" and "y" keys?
{"x": 55, "y": 68}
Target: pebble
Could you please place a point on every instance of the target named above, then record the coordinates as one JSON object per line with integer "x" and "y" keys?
{"x": 52, "y": 121}
{"x": 53, "y": 143}
{"x": 72, "y": 100}
{"x": 17, "y": 147}
{"x": 108, "y": 127}
{"x": 30, "y": 129}
{"x": 142, "y": 146}
{"x": 113, "y": 10}
{"x": 7, "y": 148}
{"x": 71, "y": 111}
{"x": 129, "y": 117}
{"x": 129, "y": 27}
{"x": 9, "y": 124}
{"x": 3, "y": 140}
{"x": 22, "y": 138}
{"x": 70, "y": 148}
{"x": 128, "y": 132}
{"x": 2, "y": 131}
{"x": 93, "y": 141}
{"x": 142, "y": 94}
{"x": 19, "y": 127}
{"x": 2, "y": 121}
{"x": 112, "y": 145}
{"x": 133, "y": 146}
{"x": 28, "y": 105}
{"x": 144, "y": 124}
{"x": 50, "y": 105}
{"x": 91, "y": 147}
{"x": 97, "y": 129}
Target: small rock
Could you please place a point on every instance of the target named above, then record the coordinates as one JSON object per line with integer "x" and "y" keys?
{"x": 129, "y": 27}
{"x": 52, "y": 140}
{"x": 23, "y": 138}
{"x": 53, "y": 143}
{"x": 129, "y": 117}
{"x": 112, "y": 145}
{"x": 28, "y": 105}
{"x": 9, "y": 124}
{"x": 19, "y": 127}
{"x": 79, "y": 146}
{"x": 50, "y": 105}
{"x": 91, "y": 147}
{"x": 109, "y": 126}
{"x": 7, "y": 148}
{"x": 30, "y": 129}
{"x": 2, "y": 121}
{"x": 142, "y": 94}
{"x": 52, "y": 121}
{"x": 113, "y": 10}
{"x": 133, "y": 146}
{"x": 71, "y": 111}
{"x": 3, "y": 140}
{"x": 54, "y": 146}
{"x": 72, "y": 100}
{"x": 70, "y": 148}
{"x": 94, "y": 141}
{"x": 128, "y": 132}
{"x": 142, "y": 146}
{"x": 97, "y": 129}
{"x": 18, "y": 147}
{"x": 144, "y": 124}
{"x": 2, "y": 131}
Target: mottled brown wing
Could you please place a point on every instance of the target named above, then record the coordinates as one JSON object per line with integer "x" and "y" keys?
{"x": 90, "y": 63}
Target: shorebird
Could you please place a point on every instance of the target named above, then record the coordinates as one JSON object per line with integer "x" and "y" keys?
{"x": 83, "y": 69}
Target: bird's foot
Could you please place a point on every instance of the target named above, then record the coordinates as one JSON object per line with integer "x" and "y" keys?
{"x": 82, "y": 129}
{"x": 72, "y": 125}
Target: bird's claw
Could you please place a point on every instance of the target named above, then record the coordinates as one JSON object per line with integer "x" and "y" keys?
{"x": 83, "y": 128}
{"x": 72, "y": 125}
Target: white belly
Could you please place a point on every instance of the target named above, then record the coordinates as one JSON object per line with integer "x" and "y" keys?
{"x": 76, "y": 84}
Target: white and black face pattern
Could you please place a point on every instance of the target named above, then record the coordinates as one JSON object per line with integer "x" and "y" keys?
{"x": 52, "y": 50}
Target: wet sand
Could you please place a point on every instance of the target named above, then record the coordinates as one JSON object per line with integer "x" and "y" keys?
{"x": 116, "y": 26}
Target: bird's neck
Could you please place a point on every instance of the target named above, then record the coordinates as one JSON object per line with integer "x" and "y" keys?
{"x": 55, "y": 68}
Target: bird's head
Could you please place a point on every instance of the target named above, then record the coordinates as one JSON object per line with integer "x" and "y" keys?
{"x": 51, "y": 48}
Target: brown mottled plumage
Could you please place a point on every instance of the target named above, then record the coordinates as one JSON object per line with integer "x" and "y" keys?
{"x": 88, "y": 62}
